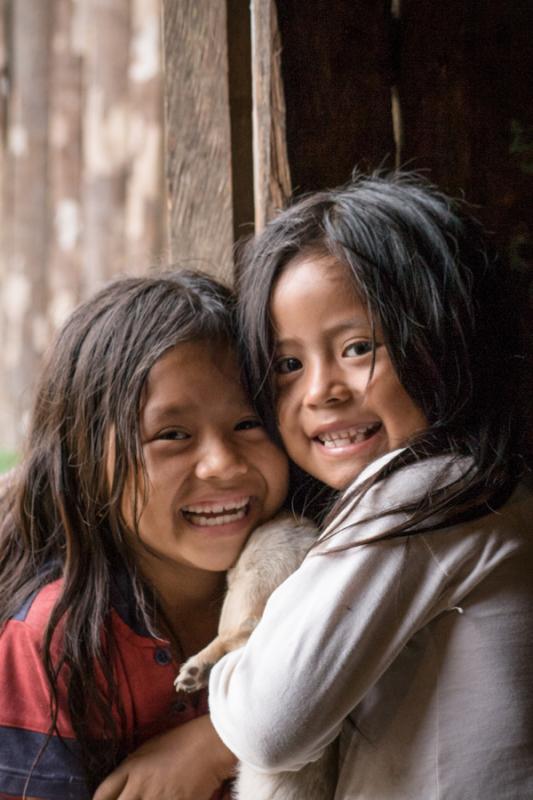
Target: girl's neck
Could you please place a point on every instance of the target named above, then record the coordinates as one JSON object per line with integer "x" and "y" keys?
{"x": 190, "y": 600}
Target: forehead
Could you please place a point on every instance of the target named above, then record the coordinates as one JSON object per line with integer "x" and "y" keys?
{"x": 317, "y": 286}
{"x": 194, "y": 376}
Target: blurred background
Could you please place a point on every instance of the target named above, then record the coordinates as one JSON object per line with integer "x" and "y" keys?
{"x": 143, "y": 133}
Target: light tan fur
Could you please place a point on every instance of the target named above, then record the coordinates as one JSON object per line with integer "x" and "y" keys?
{"x": 272, "y": 553}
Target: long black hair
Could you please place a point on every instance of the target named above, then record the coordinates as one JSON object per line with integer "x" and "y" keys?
{"x": 450, "y": 322}
{"x": 64, "y": 512}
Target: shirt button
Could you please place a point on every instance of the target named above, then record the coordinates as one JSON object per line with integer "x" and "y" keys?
{"x": 179, "y": 707}
{"x": 162, "y": 656}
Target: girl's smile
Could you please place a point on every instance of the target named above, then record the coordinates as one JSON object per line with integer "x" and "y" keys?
{"x": 335, "y": 414}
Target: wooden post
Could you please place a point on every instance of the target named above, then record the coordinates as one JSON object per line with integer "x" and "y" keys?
{"x": 23, "y": 321}
{"x": 6, "y": 419}
{"x": 272, "y": 180}
{"x": 64, "y": 166}
{"x": 105, "y": 128}
{"x": 145, "y": 217}
{"x": 198, "y": 138}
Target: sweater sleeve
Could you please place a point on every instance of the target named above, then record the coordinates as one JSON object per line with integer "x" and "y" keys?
{"x": 334, "y": 627}
{"x": 327, "y": 635}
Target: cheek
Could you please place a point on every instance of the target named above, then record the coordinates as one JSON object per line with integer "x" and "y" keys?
{"x": 399, "y": 412}
{"x": 287, "y": 416}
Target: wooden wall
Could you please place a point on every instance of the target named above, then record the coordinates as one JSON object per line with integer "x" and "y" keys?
{"x": 81, "y": 169}
{"x": 124, "y": 142}
{"x": 459, "y": 77}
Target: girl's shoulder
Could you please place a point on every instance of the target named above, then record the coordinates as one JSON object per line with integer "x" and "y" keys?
{"x": 376, "y": 507}
{"x": 34, "y": 612}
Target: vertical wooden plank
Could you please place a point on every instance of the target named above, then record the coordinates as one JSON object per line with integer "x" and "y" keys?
{"x": 4, "y": 95}
{"x": 272, "y": 180}
{"x": 466, "y": 89}
{"x": 337, "y": 64}
{"x": 64, "y": 167}
{"x": 240, "y": 104}
{"x": 105, "y": 27}
{"x": 24, "y": 292}
{"x": 145, "y": 217}
{"x": 437, "y": 43}
{"x": 5, "y": 416}
{"x": 198, "y": 139}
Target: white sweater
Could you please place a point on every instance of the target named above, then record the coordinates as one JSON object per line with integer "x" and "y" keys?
{"x": 418, "y": 651}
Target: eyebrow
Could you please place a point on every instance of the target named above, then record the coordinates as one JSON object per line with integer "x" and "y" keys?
{"x": 162, "y": 413}
{"x": 334, "y": 330}
{"x": 159, "y": 415}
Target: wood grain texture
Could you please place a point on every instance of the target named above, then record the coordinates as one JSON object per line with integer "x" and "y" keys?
{"x": 466, "y": 89}
{"x": 198, "y": 138}
{"x": 106, "y": 40}
{"x": 145, "y": 220}
{"x": 24, "y": 331}
{"x": 337, "y": 64}
{"x": 64, "y": 167}
{"x": 240, "y": 102}
{"x": 272, "y": 180}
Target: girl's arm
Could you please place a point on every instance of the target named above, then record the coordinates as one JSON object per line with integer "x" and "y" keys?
{"x": 187, "y": 763}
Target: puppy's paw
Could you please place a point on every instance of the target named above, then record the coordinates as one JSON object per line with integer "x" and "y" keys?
{"x": 193, "y": 675}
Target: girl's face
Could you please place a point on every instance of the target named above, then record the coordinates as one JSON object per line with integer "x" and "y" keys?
{"x": 332, "y": 419}
{"x": 213, "y": 474}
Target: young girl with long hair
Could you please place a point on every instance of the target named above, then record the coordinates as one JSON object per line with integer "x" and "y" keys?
{"x": 145, "y": 470}
{"x": 384, "y": 352}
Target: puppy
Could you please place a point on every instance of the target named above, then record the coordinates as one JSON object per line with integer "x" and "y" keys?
{"x": 272, "y": 552}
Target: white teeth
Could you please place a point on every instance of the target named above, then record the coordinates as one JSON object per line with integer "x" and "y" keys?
{"x": 219, "y": 513}
{"x": 349, "y": 436}
{"x": 210, "y": 522}
{"x": 217, "y": 508}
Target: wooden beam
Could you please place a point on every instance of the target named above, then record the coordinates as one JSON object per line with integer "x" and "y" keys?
{"x": 23, "y": 319}
{"x": 198, "y": 138}
{"x": 145, "y": 217}
{"x": 272, "y": 179}
{"x": 105, "y": 130}
{"x": 64, "y": 167}
{"x": 336, "y": 62}
{"x": 240, "y": 103}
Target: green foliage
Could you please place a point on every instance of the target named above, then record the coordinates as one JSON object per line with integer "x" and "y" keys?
{"x": 8, "y": 459}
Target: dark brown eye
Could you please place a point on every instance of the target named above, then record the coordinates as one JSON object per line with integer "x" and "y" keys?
{"x": 360, "y": 348}
{"x": 249, "y": 424}
{"x": 287, "y": 364}
{"x": 172, "y": 435}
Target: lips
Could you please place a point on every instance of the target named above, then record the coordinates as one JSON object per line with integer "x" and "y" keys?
{"x": 217, "y": 512}
{"x": 355, "y": 434}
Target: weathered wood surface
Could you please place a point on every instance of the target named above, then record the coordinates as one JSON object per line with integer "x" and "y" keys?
{"x": 272, "y": 178}
{"x": 81, "y": 183}
{"x": 145, "y": 225}
{"x": 105, "y": 134}
{"x": 466, "y": 89}
{"x": 336, "y": 65}
{"x": 240, "y": 106}
{"x": 64, "y": 167}
{"x": 24, "y": 328}
{"x": 198, "y": 135}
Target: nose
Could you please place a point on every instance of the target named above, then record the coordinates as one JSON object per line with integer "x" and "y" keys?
{"x": 221, "y": 461}
{"x": 325, "y": 384}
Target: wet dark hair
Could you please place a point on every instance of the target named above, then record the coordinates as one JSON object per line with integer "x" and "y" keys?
{"x": 64, "y": 516}
{"x": 450, "y": 322}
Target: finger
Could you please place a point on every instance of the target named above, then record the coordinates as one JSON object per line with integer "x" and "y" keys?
{"x": 112, "y": 787}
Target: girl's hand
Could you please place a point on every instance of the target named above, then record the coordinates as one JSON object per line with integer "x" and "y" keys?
{"x": 187, "y": 763}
